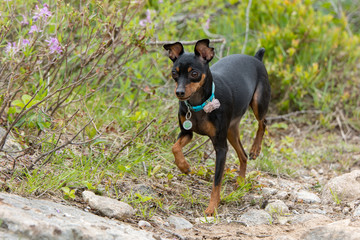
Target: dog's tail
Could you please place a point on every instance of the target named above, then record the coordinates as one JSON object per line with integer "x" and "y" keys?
{"x": 260, "y": 54}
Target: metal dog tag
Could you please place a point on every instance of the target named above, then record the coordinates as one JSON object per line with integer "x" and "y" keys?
{"x": 187, "y": 124}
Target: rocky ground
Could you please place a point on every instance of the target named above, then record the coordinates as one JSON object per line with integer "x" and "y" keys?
{"x": 319, "y": 203}
{"x": 290, "y": 210}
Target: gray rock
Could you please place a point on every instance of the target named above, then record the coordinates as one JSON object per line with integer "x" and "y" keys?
{"x": 108, "y": 206}
{"x": 317, "y": 210}
{"x": 307, "y": 197}
{"x": 356, "y": 212}
{"x": 10, "y": 144}
{"x": 282, "y": 195}
{"x": 255, "y": 217}
{"x": 345, "y": 187}
{"x": 302, "y": 218}
{"x": 179, "y": 222}
{"x": 335, "y": 231}
{"x": 269, "y": 191}
{"x": 23, "y": 218}
{"x": 277, "y": 207}
{"x": 144, "y": 224}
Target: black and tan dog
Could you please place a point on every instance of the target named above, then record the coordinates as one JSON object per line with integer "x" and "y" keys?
{"x": 213, "y": 100}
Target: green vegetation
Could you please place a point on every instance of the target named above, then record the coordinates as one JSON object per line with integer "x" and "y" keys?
{"x": 87, "y": 94}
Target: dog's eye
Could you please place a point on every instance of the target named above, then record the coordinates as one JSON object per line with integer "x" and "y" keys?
{"x": 194, "y": 74}
{"x": 174, "y": 74}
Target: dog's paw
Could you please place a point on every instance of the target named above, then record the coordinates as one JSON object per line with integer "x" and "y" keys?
{"x": 184, "y": 167}
{"x": 254, "y": 152}
{"x": 253, "y": 156}
{"x": 210, "y": 211}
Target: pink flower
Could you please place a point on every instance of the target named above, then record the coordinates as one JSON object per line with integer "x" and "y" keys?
{"x": 147, "y": 20}
{"x": 43, "y": 12}
{"x": 54, "y": 45}
{"x": 207, "y": 24}
{"x": 24, "y": 21}
{"x": 34, "y": 28}
{"x": 11, "y": 48}
{"x": 25, "y": 42}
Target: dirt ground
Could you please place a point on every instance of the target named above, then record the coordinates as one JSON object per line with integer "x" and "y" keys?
{"x": 186, "y": 196}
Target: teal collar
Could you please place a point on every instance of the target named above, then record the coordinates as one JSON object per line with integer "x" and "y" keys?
{"x": 201, "y": 106}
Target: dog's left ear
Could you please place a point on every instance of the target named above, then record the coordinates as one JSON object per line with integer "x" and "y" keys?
{"x": 203, "y": 50}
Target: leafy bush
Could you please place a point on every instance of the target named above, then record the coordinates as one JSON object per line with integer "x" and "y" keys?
{"x": 55, "y": 58}
{"x": 310, "y": 55}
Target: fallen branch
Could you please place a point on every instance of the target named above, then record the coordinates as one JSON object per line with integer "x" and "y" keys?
{"x": 247, "y": 26}
{"x": 292, "y": 114}
{"x": 220, "y": 40}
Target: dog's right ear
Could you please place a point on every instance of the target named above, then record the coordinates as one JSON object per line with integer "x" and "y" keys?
{"x": 175, "y": 50}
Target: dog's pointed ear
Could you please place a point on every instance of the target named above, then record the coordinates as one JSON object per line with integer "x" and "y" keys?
{"x": 203, "y": 50}
{"x": 175, "y": 50}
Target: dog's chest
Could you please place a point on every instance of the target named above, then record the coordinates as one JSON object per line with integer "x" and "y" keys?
{"x": 201, "y": 124}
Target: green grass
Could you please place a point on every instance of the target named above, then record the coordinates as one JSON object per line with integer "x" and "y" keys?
{"x": 313, "y": 70}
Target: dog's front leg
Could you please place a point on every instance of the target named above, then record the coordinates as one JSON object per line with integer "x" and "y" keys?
{"x": 221, "y": 149}
{"x": 183, "y": 139}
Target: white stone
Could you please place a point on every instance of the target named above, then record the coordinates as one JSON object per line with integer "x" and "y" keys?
{"x": 307, "y": 197}
{"x": 144, "y": 224}
{"x": 277, "y": 207}
{"x": 345, "y": 187}
{"x": 40, "y": 219}
{"x": 269, "y": 191}
{"x": 337, "y": 230}
{"x": 255, "y": 217}
{"x": 108, "y": 206}
{"x": 179, "y": 222}
{"x": 282, "y": 195}
{"x": 357, "y": 212}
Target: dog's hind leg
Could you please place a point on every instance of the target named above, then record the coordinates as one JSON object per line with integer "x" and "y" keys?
{"x": 234, "y": 139}
{"x": 259, "y": 104}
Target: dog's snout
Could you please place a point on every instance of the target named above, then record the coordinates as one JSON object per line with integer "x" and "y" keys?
{"x": 180, "y": 92}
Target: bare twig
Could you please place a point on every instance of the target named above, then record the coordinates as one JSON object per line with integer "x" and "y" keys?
{"x": 220, "y": 40}
{"x": 191, "y": 151}
{"x": 247, "y": 26}
{"x": 129, "y": 142}
{"x": 292, "y": 114}
{"x": 57, "y": 148}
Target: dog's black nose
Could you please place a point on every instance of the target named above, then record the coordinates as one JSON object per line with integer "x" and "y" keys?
{"x": 180, "y": 93}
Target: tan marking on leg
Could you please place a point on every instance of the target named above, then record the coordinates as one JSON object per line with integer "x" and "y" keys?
{"x": 180, "y": 161}
{"x": 208, "y": 128}
{"x": 214, "y": 200}
{"x": 182, "y": 119}
{"x": 234, "y": 139}
{"x": 177, "y": 69}
{"x": 256, "y": 147}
